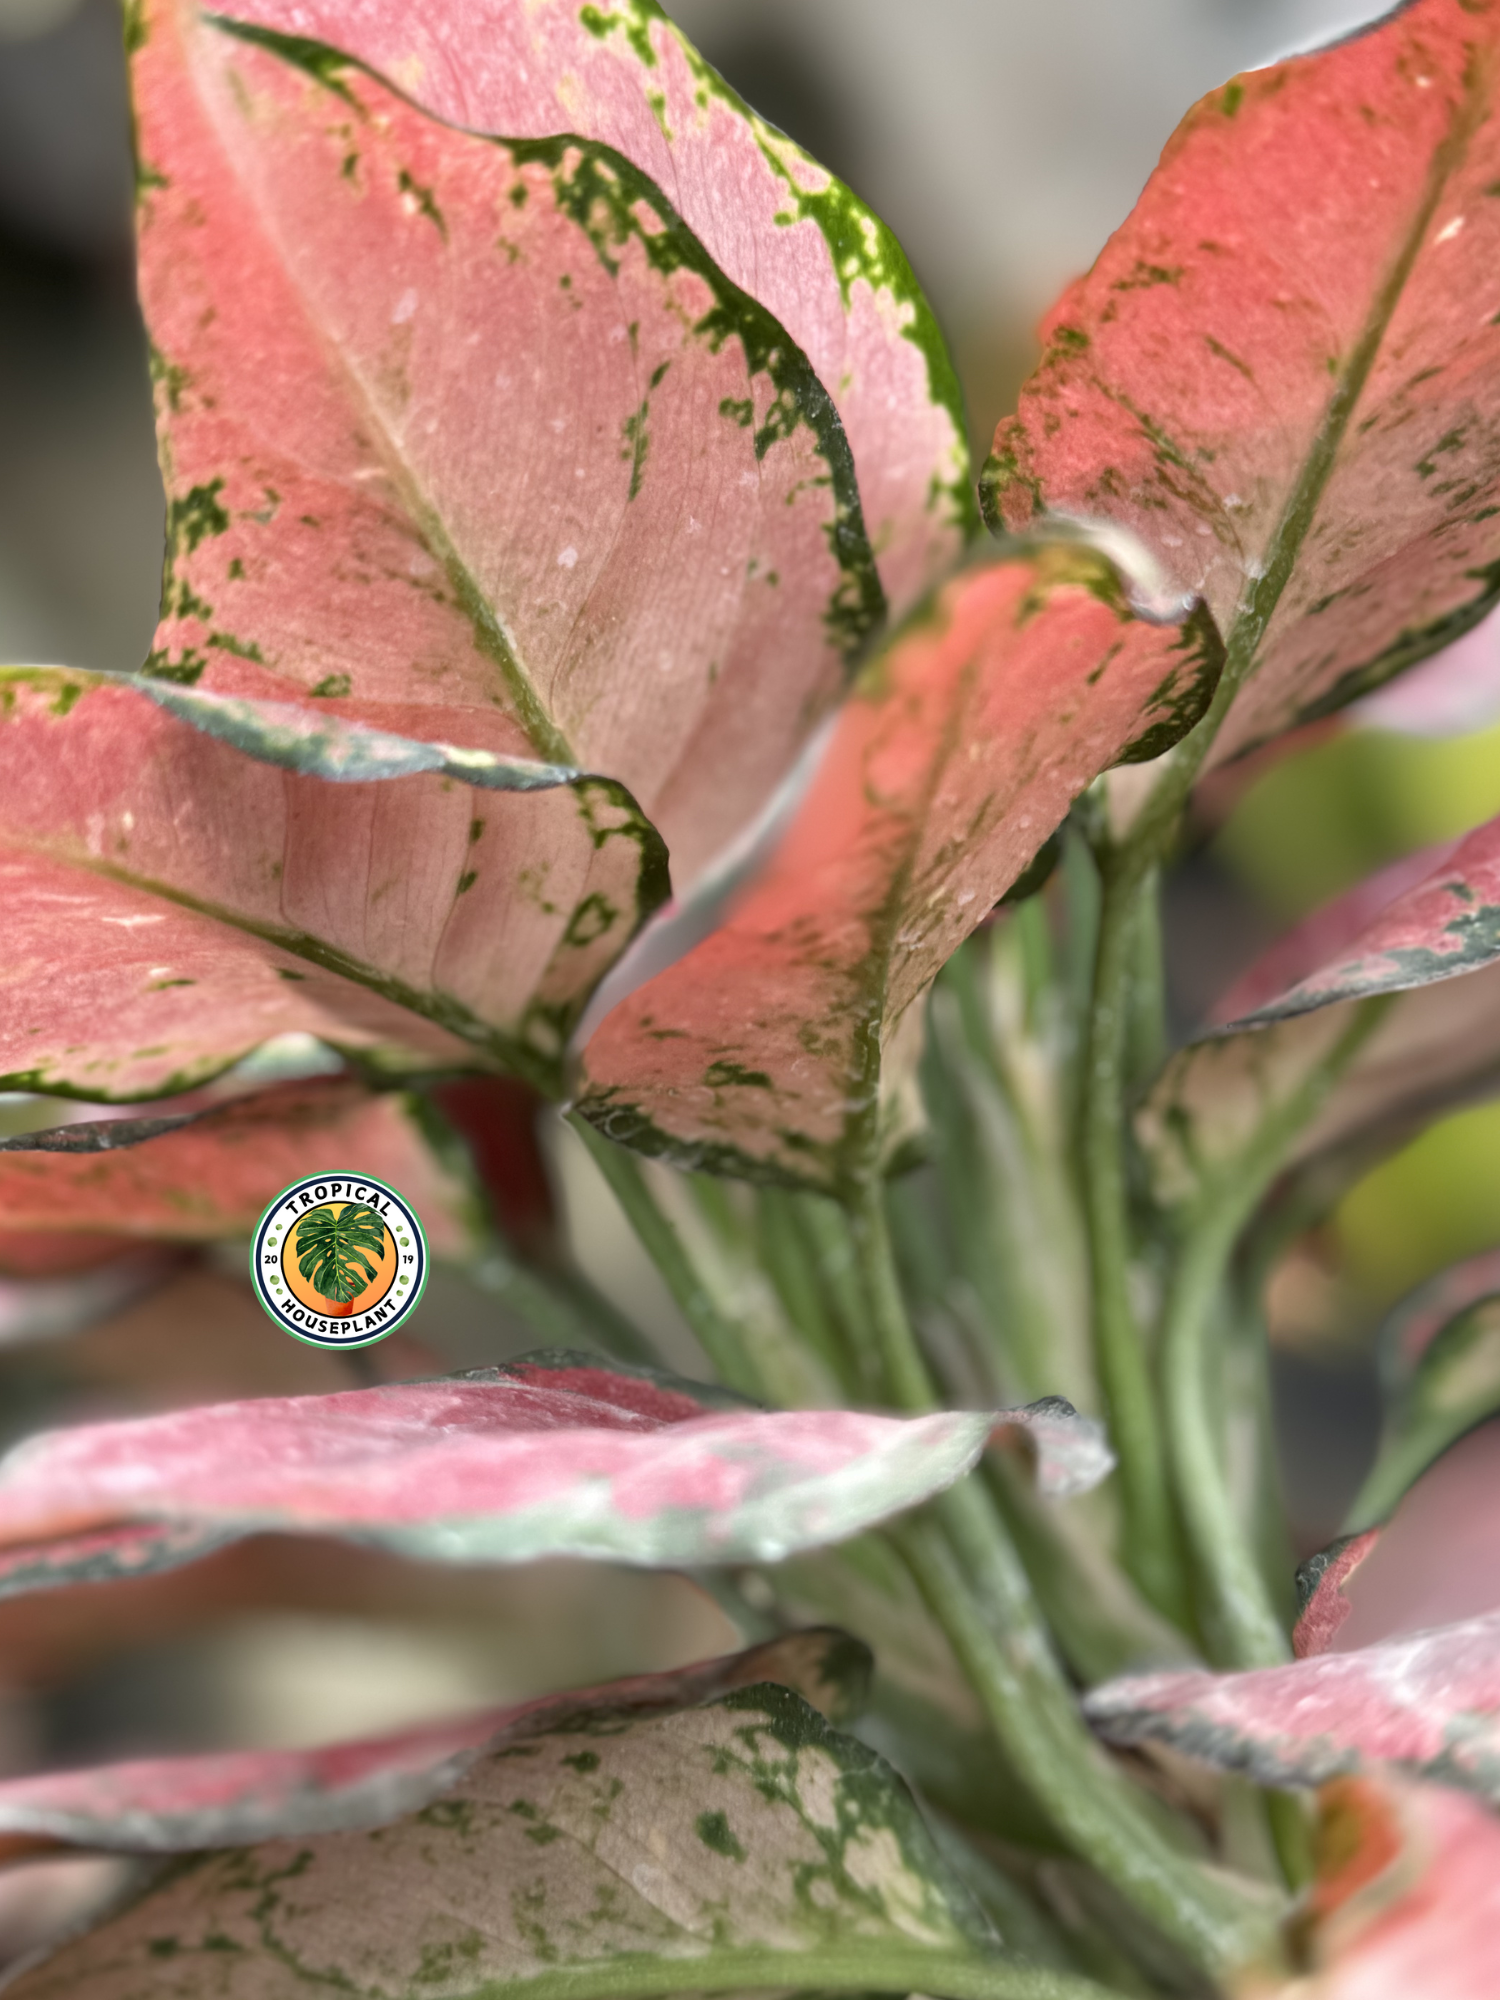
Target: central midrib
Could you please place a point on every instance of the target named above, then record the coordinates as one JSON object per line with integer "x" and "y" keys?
{"x": 542, "y": 730}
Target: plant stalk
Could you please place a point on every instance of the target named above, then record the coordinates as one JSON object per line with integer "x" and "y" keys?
{"x": 1240, "y": 1621}
{"x": 1151, "y": 1549}
{"x": 718, "y": 1335}
{"x": 962, "y": 1560}
{"x": 978, "y": 1593}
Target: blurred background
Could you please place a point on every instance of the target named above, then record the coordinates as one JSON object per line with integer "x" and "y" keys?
{"x": 1003, "y": 140}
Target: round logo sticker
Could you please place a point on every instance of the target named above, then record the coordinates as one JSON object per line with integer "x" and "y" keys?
{"x": 339, "y": 1260}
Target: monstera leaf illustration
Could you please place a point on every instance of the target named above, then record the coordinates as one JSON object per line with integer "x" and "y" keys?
{"x": 331, "y": 1246}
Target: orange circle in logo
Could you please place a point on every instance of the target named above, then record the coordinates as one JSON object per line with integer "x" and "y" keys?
{"x": 385, "y": 1266}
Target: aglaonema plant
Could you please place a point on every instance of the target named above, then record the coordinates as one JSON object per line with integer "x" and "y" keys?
{"x": 581, "y": 660}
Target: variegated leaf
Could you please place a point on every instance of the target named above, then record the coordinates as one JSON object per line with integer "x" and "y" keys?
{"x": 553, "y": 1455}
{"x": 1429, "y": 1051}
{"x": 1431, "y": 916}
{"x": 211, "y": 1173}
{"x": 763, "y": 1050}
{"x": 470, "y": 436}
{"x": 176, "y": 1804}
{"x": 1427, "y": 1703}
{"x": 1406, "y": 933}
{"x": 1283, "y": 371}
{"x": 174, "y": 900}
{"x": 1406, "y": 1901}
{"x": 775, "y": 221}
{"x": 1321, "y": 1584}
{"x": 741, "y": 1844}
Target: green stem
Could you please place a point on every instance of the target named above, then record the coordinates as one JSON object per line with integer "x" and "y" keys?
{"x": 1240, "y": 1621}
{"x": 865, "y": 1966}
{"x": 960, "y": 1557}
{"x": 562, "y": 1307}
{"x": 959, "y": 1563}
{"x": 824, "y": 1229}
{"x": 908, "y": 1382}
{"x": 1290, "y": 1823}
{"x": 720, "y": 1338}
{"x": 1150, "y": 1540}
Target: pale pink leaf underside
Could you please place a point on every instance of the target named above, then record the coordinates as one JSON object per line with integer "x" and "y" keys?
{"x": 1282, "y": 369}
{"x": 1453, "y": 693}
{"x": 1408, "y": 932}
{"x": 174, "y": 902}
{"x": 775, "y": 221}
{"x": 1434, "y": 1047}
{"x": 555, "y": 1456}
{"x": 960, "y": 749}
{"x": 472, "y": 439}
{"x": 170, "y": 1805}
{"x": 213, "y": 1173}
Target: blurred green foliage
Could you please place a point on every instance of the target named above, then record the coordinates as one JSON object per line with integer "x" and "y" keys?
{"x": 1319, "y": 820}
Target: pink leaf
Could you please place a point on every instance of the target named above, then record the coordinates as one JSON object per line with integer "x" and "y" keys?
{"x": 551, "y": 1456}
{"x": 1428, "y": 1703}
{"x": 961, "y": 748}
{"x": 173, "y": 902}
{"x": 780, "y": 226}
{"x": 1281, "y": 372}
{"x": 472, "y": 437}
{"x": 211, "y": 1173}
{"x": 171, "y": 1805}
{"x": 1431, "y": 916}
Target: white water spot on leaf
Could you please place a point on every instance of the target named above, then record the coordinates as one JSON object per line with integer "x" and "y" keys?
{"x": 406, "y": 305}
{"x": 1449, "y": 230}
{"x": 568, "y": 557}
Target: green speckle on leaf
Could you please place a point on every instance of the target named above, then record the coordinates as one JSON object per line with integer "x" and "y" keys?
{"x": 242, "y": 649}
{"x": 195, "y": 515}
{"x": 466, "y": 881}
{"x": 331, "y": 687}
{"x": 720, "y": 1074}
{"x": 714, "y": 1831}
{"x": 421, "y": 201}
{"x": 185, "y": 671}
{"x": 593, "y": 917}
